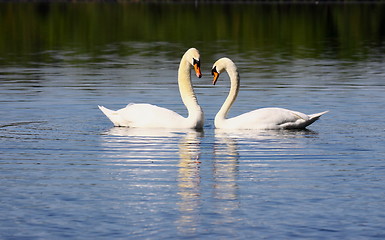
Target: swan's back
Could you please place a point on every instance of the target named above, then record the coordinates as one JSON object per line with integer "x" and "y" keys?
{"x": 271, "y": 118}
{"x": 144, "y": 115}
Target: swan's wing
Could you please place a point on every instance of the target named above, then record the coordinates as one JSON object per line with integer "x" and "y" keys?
{"x": 144, "y": 115}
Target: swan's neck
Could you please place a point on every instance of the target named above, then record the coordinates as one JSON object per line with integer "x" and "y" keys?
{"x": 234, "y": 88}
{"x": 195, "y": 113}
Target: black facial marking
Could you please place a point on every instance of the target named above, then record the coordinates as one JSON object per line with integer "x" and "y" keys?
{"x": 213, "y": 70}
{"x": 197, "y": 62}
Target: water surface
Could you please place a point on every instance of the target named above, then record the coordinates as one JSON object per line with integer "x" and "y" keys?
{"x": 66, "y": 172}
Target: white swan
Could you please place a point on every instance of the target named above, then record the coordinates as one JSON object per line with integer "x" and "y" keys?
{"x": 263, "y": 118}
{"x": 151, "y": 116}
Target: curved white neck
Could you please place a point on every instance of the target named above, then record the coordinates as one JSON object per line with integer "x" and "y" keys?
{"x": 234, "y": 89}
{"x": 195, "y": 113}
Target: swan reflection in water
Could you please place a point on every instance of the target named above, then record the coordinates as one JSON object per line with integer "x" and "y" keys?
{"x": 135, "y": 147}
{"x": 157, "y": 159}
{"x": 258, "y": 147}
{"x": 254, "y": 147}
{"x": 225, "y": 179}
{"x": 189, "y": 189}
{"x": 140, "y": 145}
{"x": 225, "y": 167}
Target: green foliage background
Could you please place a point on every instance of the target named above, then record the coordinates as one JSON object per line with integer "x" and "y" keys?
{"x": 333, "y": 30}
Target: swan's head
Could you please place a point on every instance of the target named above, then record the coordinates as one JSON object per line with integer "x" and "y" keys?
{"x": 223, "y": 64}
{"x": 193, "y": 57}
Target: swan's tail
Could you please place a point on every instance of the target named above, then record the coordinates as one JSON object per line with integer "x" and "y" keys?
{"x": 112, "y": 115}
{"x": 315, "y": 116}
{"x": 302, "y": 123}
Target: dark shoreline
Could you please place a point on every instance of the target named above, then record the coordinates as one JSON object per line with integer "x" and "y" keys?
{"x": 201, "y": 1}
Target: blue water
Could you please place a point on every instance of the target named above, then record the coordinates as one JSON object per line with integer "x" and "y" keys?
{"x": 67, "y": 173}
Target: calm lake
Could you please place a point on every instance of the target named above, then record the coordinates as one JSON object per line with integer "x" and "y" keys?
{"x": 67, "y": 173}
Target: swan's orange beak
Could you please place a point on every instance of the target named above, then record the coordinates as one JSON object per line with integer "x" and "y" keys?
{"x": 197, "y": 69}
{"x": 216, "y": 75}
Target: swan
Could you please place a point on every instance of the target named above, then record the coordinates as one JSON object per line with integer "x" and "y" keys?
{"x": 263, "y": 118}
{"x": 150, "y": 116}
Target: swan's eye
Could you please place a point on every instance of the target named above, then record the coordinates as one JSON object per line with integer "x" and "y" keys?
{"x": 196, "y": 62}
